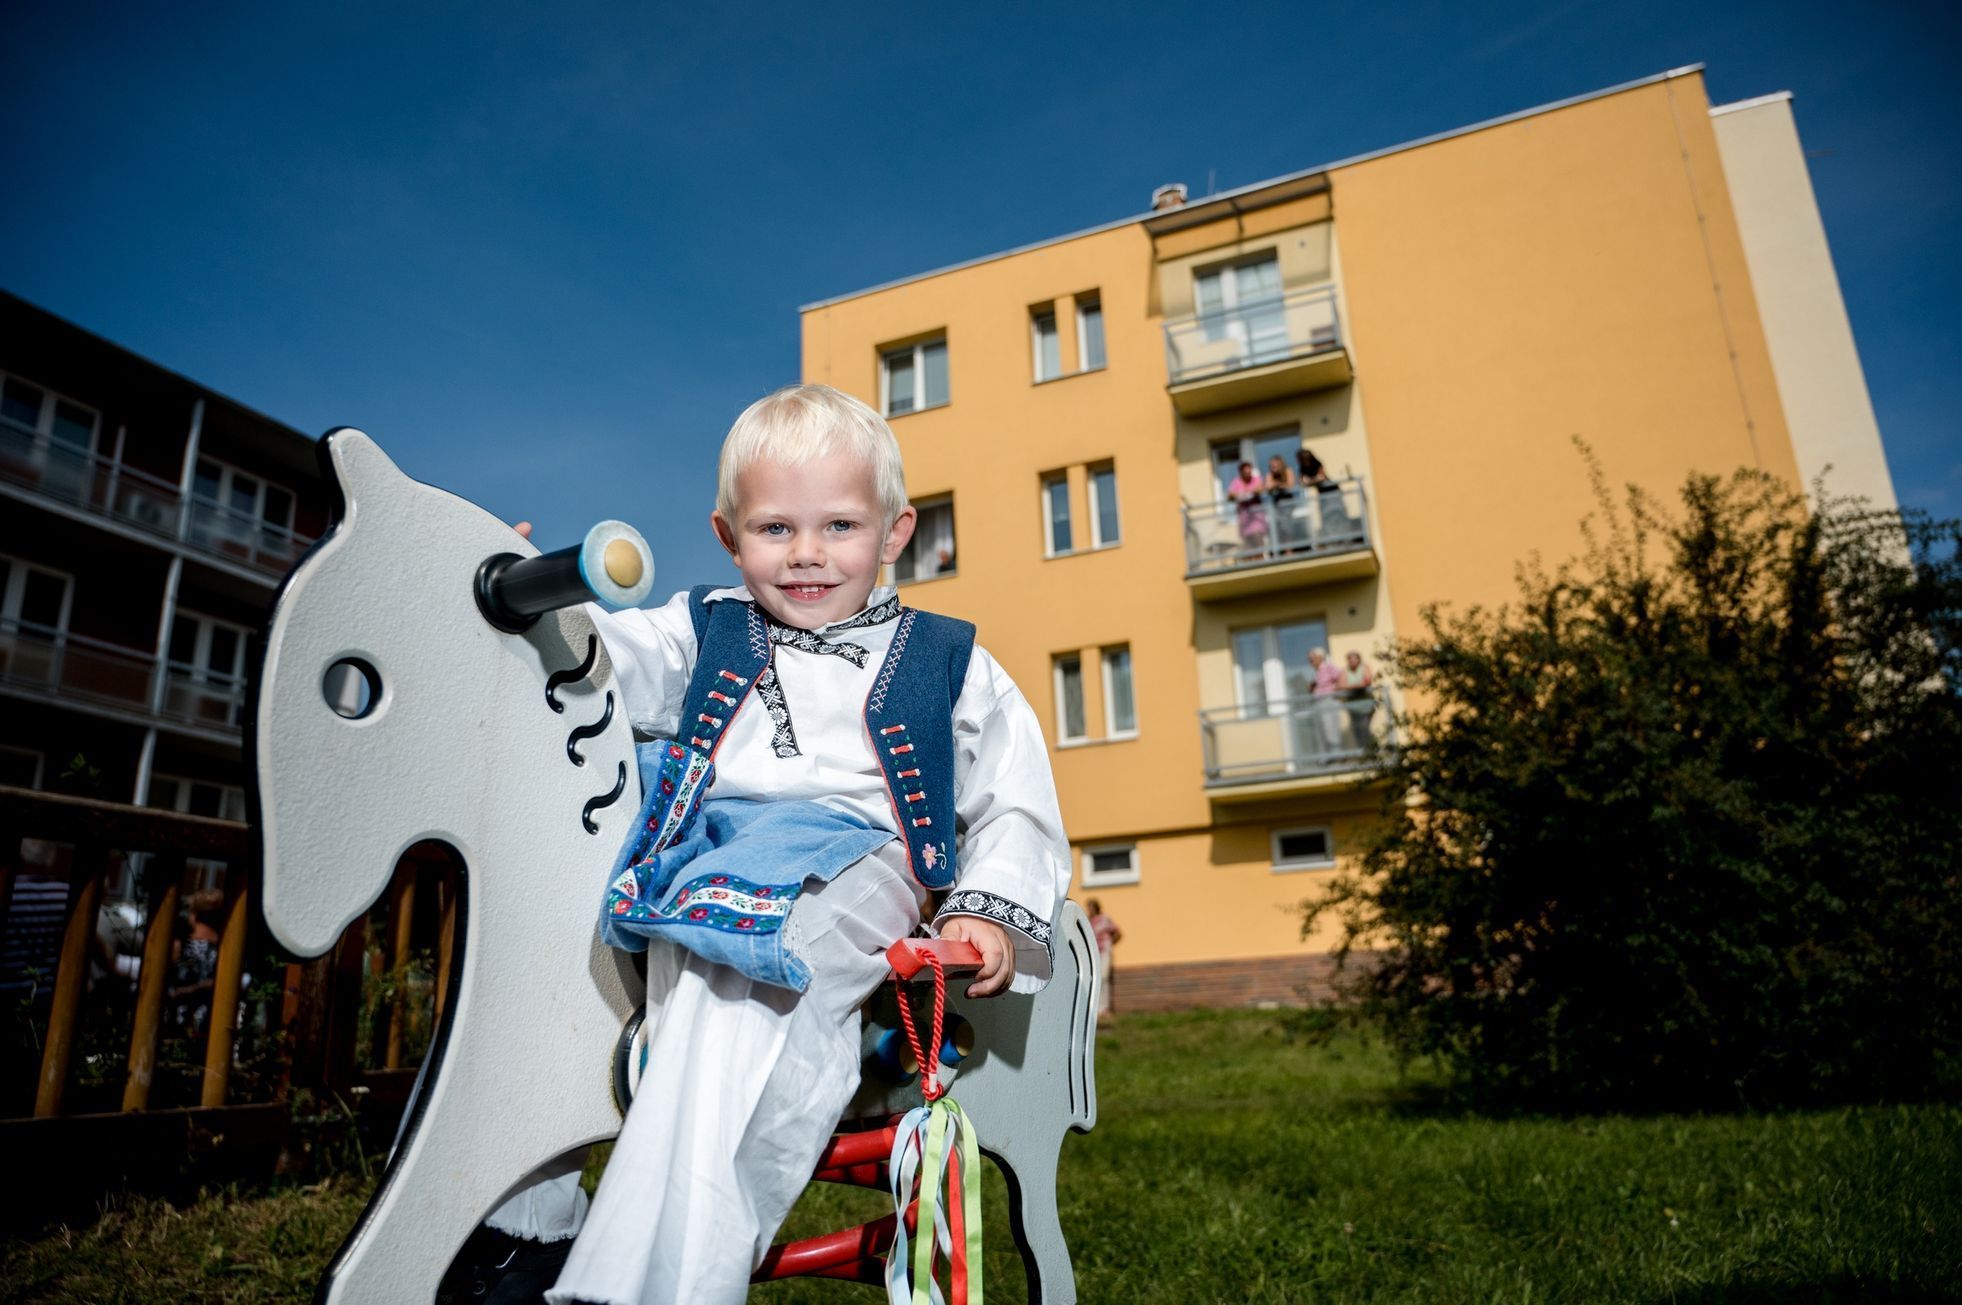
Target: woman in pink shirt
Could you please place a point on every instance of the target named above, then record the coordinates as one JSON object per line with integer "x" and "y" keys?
{"x": 1246, "y": 491}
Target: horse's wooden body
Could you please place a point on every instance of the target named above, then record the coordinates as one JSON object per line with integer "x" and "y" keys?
{"x": 515, "y": 751}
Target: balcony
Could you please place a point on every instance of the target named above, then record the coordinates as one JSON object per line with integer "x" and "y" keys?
{"x": 1294, "y": 745}
{"x": 39, "y": 662}
{"x": 1315, "y": 537}
{"x": 1256, "y": 352}
{"x": 108, "y": 489}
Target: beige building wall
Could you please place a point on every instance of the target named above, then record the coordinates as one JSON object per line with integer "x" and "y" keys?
{"x": 1577, "y": 271}
{"x": 1805, "y": 323}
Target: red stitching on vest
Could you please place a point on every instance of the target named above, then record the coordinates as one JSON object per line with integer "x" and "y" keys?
{"x": 923, "y": 820}
{"x": 892, "y": 729}
{"x": 904, "y": 747}
{"x": 915, "y": 797}
{"x": 701, "y": 743}
{"x": 707, "y": 719}
{"x": 722, "y": 697}
{"x": 908, "y": 774}
{"x": 731, "y": 675}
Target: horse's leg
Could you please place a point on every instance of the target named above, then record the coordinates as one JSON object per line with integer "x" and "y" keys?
{"x": 460, "y": 1158}
{"x": 1029, "y": 1166}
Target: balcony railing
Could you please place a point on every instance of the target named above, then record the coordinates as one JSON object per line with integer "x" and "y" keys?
{"x": 109, "y": 489}
{"x": 1313, "y": 522}
{"x": 1293, "y": 738}
{"x": 1298, "y": 324}
{"x": 61, "y": 665}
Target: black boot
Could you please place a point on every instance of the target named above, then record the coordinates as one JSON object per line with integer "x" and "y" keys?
{"x": 496, "y": 1268}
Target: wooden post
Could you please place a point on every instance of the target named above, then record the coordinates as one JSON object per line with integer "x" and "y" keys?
{"x": 224, "y": 993}
{"x": 152, "y": 979}
{"x": 448, "y": 886}
{"x": 71, "y": 973}
{"x": 401, "y": 915}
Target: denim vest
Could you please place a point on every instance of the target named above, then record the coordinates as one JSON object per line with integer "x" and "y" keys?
{"x": 909, "y": 713}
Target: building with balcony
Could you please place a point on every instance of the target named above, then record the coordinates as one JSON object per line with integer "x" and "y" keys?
{"x": 1427, "y": 328}
{"x": 145, "y": 522}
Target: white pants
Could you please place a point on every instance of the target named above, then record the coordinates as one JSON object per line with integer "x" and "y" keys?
{"x": 744, "y": 1086}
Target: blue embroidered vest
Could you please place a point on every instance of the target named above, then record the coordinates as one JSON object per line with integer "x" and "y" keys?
{"x": 909, "y": 714}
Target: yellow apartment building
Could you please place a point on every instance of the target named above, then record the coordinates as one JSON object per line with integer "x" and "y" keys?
{"x": 1428, "y": 327}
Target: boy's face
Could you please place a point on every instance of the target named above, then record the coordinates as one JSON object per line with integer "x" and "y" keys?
{"x": 810, "y": 539}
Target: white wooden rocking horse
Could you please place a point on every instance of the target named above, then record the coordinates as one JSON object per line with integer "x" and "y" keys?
{"x": 418, "y": 685}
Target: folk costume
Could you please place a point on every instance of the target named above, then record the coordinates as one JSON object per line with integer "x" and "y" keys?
{"x": 803, "y": 793}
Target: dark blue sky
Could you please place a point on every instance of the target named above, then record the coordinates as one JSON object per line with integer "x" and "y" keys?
{"x": 546, "y": 253}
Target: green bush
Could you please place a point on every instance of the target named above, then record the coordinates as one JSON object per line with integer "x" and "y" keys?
{"x": 1681, "y": 827}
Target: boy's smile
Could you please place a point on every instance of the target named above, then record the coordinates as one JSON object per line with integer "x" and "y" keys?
{"x": 810, "y": 539}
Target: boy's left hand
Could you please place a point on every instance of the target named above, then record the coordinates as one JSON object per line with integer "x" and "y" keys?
{"x": 997, "y": 957}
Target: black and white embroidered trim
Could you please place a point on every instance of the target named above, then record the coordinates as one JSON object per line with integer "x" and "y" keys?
{"x": 783, "y": 735}
{"x": 972, "y": 901}
{"x": 783, "y": 738}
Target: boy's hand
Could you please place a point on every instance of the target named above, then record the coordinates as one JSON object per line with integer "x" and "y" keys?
{"x": 997, "y": 957}
{"x": 524, "y": 529}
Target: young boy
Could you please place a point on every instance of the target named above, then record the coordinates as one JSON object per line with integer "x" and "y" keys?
{"x": 850, "y": 737}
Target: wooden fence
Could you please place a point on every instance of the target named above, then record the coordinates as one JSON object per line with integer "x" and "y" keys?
{"x": 313, "y": 1028}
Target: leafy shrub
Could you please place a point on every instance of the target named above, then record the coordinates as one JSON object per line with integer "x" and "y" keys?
{"x": 1680, "y": 828}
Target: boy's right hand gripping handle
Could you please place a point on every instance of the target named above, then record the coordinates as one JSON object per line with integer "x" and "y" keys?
{"x": 908, "y": 956}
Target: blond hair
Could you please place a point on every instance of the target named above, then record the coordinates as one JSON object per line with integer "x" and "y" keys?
{"x": 801, "y": 423}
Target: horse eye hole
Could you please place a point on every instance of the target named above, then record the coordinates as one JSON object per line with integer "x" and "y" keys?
{"x": 352, "y": 688}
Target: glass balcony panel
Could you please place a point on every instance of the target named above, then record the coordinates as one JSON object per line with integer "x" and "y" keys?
{"x": 1301, "y": 736}
{"x": 72, "y": 666}
{"x": 1263, "y": 329}
{"x": 1312, "y": 523}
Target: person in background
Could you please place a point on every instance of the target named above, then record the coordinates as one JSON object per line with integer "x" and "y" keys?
{"x": 1289, "y": 529}
{"x": 1357, "y": 679}
{"x": 1336, "y": 523}
{"x": 1107, "y": 933}
{"x": 1326, "y": 707}
{"x": 1245, "y": 491}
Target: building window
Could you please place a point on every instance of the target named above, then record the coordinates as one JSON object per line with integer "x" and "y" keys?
{"x": 1309, "y": 848}
{"x": 1241, "y": 302}
{"x": 20, "y": 767}
{"x": 1120, "y": 702}
{"x": 1260, "y": 450}
{"x": 197, "y": 798}
{"x": 33, "y": 600}
{"x": 1070, "y": 720}
{"x": 914, "y": 377}
{"x": 930, "y": 553}
{"x": 1057, "y": 537}
{"x": 206, "y": 669}
{"x": 1089, "y": 333}
{"x": 1110, "y": 865}
{"x": 1047, "y": 346}
{"x": 31, "y": 417}
{"x": 1103, "y": 506}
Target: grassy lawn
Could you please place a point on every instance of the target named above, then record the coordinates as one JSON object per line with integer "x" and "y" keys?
{"x": 1230, "y": 1164}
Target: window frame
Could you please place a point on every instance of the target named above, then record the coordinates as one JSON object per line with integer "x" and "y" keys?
{"x": 1038, "y": 314}
{"x": 916, "y": 351}
{"x": 198, "y": 669}
{"x": 1056, "y": 663}
{"x": 1090, "y": 877}
{"x": 40, "y": 762}
{"x": 227, "y": 475}
{"x": 1090, "y": 301}
{"x": 42, "y": 433}
{"x": 921, "y": 506}
{"x": 1104, "y": 657}
{"x": 1048, "y": 482}
{"x": 1090, "y": 474}
{"x": 13, "y": 592}
{"x": 1281, "y": 866}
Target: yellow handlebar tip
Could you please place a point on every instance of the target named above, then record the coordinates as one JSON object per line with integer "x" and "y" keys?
{"x": 622, "y": 562}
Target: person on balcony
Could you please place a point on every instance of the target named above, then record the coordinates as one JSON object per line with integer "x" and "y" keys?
{"x": 1246, "y": 491}
{"x": 1336, "y": 523}
{"x": 1359, "y": 699}
{"x": 1325, "y": 702}
{"x": 1290, "y": 531}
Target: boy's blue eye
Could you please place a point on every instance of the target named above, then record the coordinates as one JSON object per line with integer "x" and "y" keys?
{"x": 843, "y": 525}
{"x": 776, "y": 528}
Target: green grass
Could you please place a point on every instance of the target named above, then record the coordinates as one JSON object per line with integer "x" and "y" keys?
{"x": 1230, "y": 1164}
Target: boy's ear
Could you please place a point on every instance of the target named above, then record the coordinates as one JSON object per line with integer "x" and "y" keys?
{"x": 724, "y": 533}
{"x": 899, "y": 534}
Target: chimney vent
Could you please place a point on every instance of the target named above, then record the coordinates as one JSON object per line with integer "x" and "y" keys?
{"x": 1165, "y": 197}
